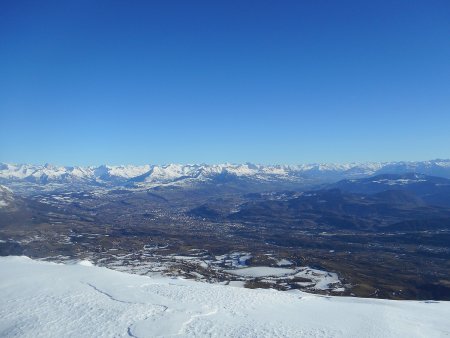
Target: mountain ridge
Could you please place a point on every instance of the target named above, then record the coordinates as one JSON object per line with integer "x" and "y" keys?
{"x": 182, "y": 174}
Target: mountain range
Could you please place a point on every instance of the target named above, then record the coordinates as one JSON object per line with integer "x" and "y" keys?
{"x": 431, "y": 189}
{"x": 191, "y": 174}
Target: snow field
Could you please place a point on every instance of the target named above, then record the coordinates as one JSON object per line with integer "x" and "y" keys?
{"x": 41, "y": 299}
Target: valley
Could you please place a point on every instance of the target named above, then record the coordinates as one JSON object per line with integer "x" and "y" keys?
{"x": 388, "y": 243}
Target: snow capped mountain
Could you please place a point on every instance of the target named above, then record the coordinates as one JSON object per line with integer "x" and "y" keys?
{"x": 123, "y": 171}
{"x": 179, "y": 174}
{"x": 49, "y": 173}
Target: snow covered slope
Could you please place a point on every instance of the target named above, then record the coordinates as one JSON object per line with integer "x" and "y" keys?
{"x": 6, "y": 197}
{"x": 40, "y": 299}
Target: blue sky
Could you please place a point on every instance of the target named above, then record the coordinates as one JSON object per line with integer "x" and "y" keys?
{"x": 91, "y": 82}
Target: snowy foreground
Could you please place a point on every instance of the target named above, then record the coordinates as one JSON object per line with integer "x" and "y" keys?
{"x": 40, "y": 299}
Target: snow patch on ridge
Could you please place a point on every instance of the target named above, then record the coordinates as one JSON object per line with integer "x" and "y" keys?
{"x": 85, "y": 263}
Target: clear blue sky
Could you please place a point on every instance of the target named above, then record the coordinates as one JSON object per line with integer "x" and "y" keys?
{"x": 88, "y": 82}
